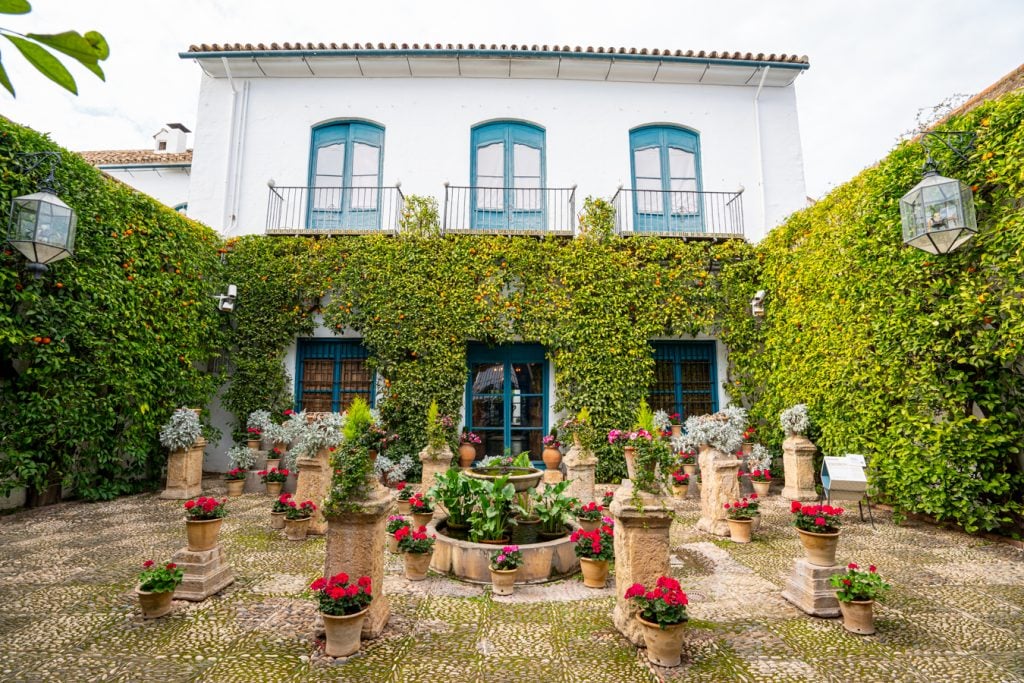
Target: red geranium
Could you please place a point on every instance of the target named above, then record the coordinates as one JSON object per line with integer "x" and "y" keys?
{"x": 203, "y": 508}
{"x": 822, "y": 519}
{"x": 338, "y": 597}
{"x": 591, "y": 512}
{"x": 665, "y": 605}
{"x": 594, "y": 545}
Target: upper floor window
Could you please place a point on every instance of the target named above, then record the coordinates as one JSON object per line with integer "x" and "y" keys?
{"x": 344, "y": 174}
{"x": 507, "y": 175}
{"x": 665, "y": 161}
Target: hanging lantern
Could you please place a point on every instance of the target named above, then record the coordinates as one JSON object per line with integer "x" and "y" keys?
{"x": 42, "y": 227}
{"x": 938, "y": 214}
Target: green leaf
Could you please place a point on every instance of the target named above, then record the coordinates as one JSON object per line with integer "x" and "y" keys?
{"x": 99, "y": 44}
{"x": 5, "y": 81}
{"x": 15, "y": 7}
{"x": 45, "y": 63}
{"x": 77, "y": 47}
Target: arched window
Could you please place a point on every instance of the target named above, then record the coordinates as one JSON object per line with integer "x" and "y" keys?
{"x": 665, "y": 161}
{"x": 345, "y": 167}
{"x": 507, "y": 169}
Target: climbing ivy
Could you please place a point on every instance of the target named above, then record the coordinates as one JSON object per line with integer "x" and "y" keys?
{"x": 97, "y": 354}
{"x": 913, "y": 359}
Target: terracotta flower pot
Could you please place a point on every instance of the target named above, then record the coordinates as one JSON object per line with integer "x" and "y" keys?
{"x": 343, "y": 633}
{"x": 494, "y": 541}
{"x": 253, "y": 444}
{"x": 277, "y": 520}
{"x": 690, "y": 469}
{"x": 154, "y": 605}
{"x": 664, "y": 645}
{"x": 274, "y": 488}
{"x": 202, "y": 533}
{"x": 235, "y": 487}
{"x": 467, "y": 454}
{"x": 677, "y": 430}
{"x": 392, "y": 544}
{"x": 595, "y": 572}
{"x": 296, "y": 529}
{"x": 858, "y": 616}
{"x": 416, "y": 565}
{"x": 422, "y": 518}
{"x": 552, "y": 458}
{"x": 403, "y": 507}
{"x": 273, "y": 463}
{"x": 819, "y": 549}
{"x": 502, "y": 580}
{"x": 630, "y": 454}
{"x": 589, "y": 525}
{"x": 761, "y": 488}
{"x": 739, "y": 530}
{"x": 680, "y": 491}
{"x": 748, "y": 447}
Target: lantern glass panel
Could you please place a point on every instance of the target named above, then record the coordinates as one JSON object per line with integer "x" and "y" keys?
{"x": 938, "y": 215}
{"x": 42, "y": 227}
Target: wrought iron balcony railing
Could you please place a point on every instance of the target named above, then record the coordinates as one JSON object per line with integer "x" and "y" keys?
{"x": 333, "y": 210}
{"x": 509, "y": 210}
{"x": 679, "y": 213}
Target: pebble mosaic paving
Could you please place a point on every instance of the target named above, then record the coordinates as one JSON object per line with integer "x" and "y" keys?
{"x": 956, "y": 612}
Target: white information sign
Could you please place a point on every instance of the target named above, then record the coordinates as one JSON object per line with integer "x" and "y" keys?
{"x": 844, "y": 474}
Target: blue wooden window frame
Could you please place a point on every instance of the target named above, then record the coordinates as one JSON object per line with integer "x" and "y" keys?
{"x": 508, "y": 355}
{"x": 685, "y": 362}
{"x": 346, "y": 216}
{"x": 511, "y": 216}
{"x": 339, "y": 352}
{"x": 664, "y": 138}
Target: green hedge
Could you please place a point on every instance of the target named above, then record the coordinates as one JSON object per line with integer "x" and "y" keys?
{"x": 131, "y": 327}
{"x": 912, "y": 359}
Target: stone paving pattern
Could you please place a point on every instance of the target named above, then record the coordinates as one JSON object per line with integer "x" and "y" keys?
{"x": 956, "y": 612}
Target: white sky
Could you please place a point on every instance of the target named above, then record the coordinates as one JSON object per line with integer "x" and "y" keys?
{"x": 874, "y": 63}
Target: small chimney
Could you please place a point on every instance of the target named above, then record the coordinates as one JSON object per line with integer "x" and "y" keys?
{"x": 173, "y": 137}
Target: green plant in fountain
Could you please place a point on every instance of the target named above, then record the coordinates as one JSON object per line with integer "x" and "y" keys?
{"x": 456, "y": 494}
{"x": 553, "y": 507}
{"x": 493, "y": 516}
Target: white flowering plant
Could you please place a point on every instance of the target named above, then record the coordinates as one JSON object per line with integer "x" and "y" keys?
{"x": 241, "y": 457}
{"x": 257, "y": 421}
{"x": 722, "y": 431}
{"x": 760, "y": 458}
{"x": 795, "y": 420}
{"x": 181, "y": 431}
{"x": 662, "y": 422}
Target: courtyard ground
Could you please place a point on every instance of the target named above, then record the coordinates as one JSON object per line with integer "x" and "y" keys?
{"x": 956, "y": 612}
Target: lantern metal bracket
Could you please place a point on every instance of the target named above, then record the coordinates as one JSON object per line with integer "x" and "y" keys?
{"x": 30, "y": 161}
{"x": 959, "y": 142}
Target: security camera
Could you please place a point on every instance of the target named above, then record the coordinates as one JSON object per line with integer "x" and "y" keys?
{"x": 757, "y": 304}
{"x": 226, "y": 302}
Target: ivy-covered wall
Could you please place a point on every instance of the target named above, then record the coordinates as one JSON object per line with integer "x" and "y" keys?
{"x": 96, "y": 354}
{"x": 912, "y": 359}
{"x": 417, "y": 301}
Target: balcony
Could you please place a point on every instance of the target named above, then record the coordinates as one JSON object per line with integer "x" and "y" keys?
{"x": 677, "y": 213}
{"x": 333, "y": 210}
{"x": 509, "y": 210}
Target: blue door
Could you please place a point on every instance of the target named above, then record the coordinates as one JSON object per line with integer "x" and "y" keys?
{"x": 507, "y": 177}
{"x": 507, "y": 398}
{"x": 344, "y": 177}
{"x": 330, "y": 373}
{"x": 666, "y": 180}
{"x": 685, "y": 378}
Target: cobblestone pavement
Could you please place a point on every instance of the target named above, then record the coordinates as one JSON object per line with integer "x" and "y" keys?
{"x": 956, "y": 612}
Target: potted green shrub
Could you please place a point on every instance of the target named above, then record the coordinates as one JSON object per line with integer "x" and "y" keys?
{"x": 343, "y": 606}
{"x": 156, "y": 588}
{"x": 254, "y": 426}
{"x": 504, "y": 566}
{"x": 492, "y": 518}
{"x": 661, "y": 613}
{"x": 594, "y": 549}
{"x": 417, "y": 548}
{"x": 235, "y": 481}
{"x": 554, "y": 508}
{"x": 203, "y": 518}
{"x": 456, "y": 494}
{"x": 296, "y": 519}
{"x": 857, "y": 591}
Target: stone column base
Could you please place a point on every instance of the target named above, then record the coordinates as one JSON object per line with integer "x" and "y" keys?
{"x": 580, "y": 467}
{"x": 435, "y": 461}
{"x": 641, "y": 550}
{"x": 253, "y": 483}
{"x": 551, "y": 477}
{"x": 808, "y": 588}
{"x": 206, "y": 573}
{"x": 185, "y": 473}
{"x": 798, "y": 468}
{"x": 313, "y": 483}
{"x": 719, "y": 485}
{"x": 355, "y": 545}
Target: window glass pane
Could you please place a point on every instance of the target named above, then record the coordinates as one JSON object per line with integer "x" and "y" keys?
{"x": 527, "y": 411}
{"x": 488, "y": 411}
{"x": 330, "y": 166}
{"x": 648, "y": 195}
{"x": 697, "y": 387}
{"x": 330, "y": 159}
{"x": 365, "y": 164}
{"x": 684, "y": 196}
{"x": 526, "y": 161}
{"x": 493, "y": 443}
{"x": 527, "y": 440}
{"x": 647, "y": 163}
{"x": 490, "y": 173}
{"x": 365, "y": 159}
{"x": 488, "y": 378}
{"x": 528, "y": 377}
{"x": 681, "y": 163}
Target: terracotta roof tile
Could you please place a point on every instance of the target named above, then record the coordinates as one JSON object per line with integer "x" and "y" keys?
{"x": 117, "y": 157}
{"x": 483, "y": 47}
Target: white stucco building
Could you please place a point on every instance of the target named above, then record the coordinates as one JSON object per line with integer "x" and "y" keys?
{"x": 317, "y": 139}
{"x": 163, "y": 171}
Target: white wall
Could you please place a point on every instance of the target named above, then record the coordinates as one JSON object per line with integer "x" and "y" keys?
{"x": 167, "y": 185}
{"x": 427, "y": 135}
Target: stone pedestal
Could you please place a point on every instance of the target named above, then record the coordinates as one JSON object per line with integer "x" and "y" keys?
{"x": 260, "y": 461}
{"x": 253, "y": 484}
{"x": 641, "y": 550}
{"x": 435, "y": 461}
{"x": 798, "y": 466}
{"x": 551, "y": 477}
{"x": 580, "y": 466}
{"x": 206, "y": 572}
{"x": 719, "y": 485}
{"x": 313, "y": 483}
{"x": 185, "y": 473}
{"x": 355, "y": 545}
{"x": 809, "y": 589}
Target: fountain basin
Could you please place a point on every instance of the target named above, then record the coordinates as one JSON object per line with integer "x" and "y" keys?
{"x": 469, "y": 561}
{"x": 523, "y": 478}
